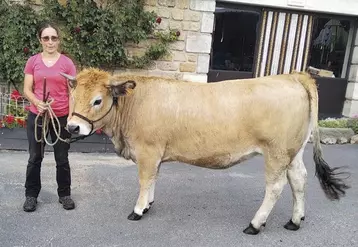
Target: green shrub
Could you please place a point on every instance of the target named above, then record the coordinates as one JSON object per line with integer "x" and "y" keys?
{"x": 353, "y": 124}
{"x": 333, "y": 123}
{"x": 340, "y": 123}
{"x": 17, "y": 40}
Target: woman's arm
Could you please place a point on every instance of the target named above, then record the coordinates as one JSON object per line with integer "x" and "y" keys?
{"x": 70, "y": 102}
{"x": 71, "y": 71}
{"x": 28, "y": 84}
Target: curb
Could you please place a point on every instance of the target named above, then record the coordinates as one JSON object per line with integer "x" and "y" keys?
{"x": 331, "y": 136}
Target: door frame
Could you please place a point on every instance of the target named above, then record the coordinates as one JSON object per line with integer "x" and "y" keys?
{"x": 217, "y": 75}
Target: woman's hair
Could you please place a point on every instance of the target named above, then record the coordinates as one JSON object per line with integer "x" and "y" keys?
{"x": 46, "y": 25}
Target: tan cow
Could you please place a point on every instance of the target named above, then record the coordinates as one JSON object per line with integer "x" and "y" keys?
{"x": 152, "y": 120}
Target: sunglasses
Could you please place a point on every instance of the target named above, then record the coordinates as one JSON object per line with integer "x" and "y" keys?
{"x": 47, "y": 38}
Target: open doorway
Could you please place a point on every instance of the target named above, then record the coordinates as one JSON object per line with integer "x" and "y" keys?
{"x": 234, "y": 43}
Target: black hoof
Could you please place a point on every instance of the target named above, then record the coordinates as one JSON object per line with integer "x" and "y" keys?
{"x": 147, "y": 209}
{"x": 134, "y": 216}
{"x": 251, "y": 230}
{"x": 291, "y": 226}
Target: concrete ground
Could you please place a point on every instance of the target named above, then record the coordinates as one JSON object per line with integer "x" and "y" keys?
{"x": 193, "y": 206}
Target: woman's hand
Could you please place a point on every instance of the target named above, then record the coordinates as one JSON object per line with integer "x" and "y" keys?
{"x": 41, "y": 106}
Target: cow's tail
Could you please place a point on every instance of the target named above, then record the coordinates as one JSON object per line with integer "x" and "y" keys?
{"x": 330, "y": 178}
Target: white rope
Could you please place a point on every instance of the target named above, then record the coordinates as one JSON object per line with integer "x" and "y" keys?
{"x": 48, "y": 116}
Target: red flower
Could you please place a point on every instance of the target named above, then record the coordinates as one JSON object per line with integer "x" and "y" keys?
{"x": 159, "y": 20}
{"x": 20, "y": 121}
{"x": 77, "y": 29}
{"x": 15, "y": 95}
{"x": 10, "y": 119}
{"x": 99, "y": 131}
{"x": 26, "y": 50}
{"x": 27, "y": 108}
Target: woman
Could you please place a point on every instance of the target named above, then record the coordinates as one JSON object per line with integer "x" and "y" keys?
{"x": 48, "y": 63}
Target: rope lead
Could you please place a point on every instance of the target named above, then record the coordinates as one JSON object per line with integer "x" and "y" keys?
{"x": 48, "y": 116}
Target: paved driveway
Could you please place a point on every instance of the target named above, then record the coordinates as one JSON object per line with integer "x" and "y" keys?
{"x": 193, "y": 206}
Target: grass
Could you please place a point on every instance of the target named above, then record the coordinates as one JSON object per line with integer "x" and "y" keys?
{"x": 340, "y": 123}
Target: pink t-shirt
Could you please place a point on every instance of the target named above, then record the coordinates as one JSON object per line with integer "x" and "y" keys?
{"x": 56, "y": 84}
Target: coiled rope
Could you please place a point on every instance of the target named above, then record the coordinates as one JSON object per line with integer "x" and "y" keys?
{"x": 48, "y": 117}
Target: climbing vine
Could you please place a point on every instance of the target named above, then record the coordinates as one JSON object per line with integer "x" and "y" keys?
{"x": 91, "y": 34}
{"x": 17, "y": 40}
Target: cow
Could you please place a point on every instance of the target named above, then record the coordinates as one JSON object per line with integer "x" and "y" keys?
{"x": 152, "y": 120}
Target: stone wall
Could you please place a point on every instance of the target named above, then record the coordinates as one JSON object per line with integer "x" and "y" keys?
{"x": 350, "y": 108}
{"x": 188, "y": 57}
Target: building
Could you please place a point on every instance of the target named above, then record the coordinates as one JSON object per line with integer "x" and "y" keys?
{"x": 248, "y": 38}
{"x": 282, "y": 35}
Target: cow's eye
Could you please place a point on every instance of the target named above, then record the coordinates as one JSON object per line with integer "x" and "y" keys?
{"x": 97, "y": 102}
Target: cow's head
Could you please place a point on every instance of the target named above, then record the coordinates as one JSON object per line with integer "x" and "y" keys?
{"x": 94, "y": 100}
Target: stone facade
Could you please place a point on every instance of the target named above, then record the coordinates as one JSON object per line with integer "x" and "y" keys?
{"x": 350, "y": 108}
{"x": 188, "y": 57}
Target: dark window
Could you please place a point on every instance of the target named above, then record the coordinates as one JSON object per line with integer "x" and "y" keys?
{"x": 329, "y": 44}
{"x": 234, "y": 39}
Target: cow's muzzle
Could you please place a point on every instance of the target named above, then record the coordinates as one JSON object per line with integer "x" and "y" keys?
{"x": 73, "y": 128}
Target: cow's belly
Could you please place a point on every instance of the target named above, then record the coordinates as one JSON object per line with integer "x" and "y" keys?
{"x": 217, "y": 161}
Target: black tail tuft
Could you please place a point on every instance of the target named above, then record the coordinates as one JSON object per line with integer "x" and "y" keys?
{"x": 333, "y": 186}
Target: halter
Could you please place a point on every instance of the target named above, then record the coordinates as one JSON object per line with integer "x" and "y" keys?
{"x": 91, "y": 122}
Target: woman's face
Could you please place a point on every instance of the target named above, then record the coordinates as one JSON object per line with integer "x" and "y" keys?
{"x": 49, "y": 40}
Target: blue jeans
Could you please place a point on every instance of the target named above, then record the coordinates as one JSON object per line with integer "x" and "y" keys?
{"x": 63, "y": 172}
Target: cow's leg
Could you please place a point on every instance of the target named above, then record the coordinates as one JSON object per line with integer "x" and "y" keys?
{"x": 151, "y": 192}
{"x": 297, "y": 177}
{"x": 148, "y": 171}
{"x": 276, "y": 178}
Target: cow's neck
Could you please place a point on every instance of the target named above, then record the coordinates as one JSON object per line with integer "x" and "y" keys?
{"x": 112, "y": 121}
{"x": 116, "y": 125}
{"x": 114, "y": 118}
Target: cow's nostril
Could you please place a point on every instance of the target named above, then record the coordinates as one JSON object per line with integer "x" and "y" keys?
{"x": 74, "y": 129}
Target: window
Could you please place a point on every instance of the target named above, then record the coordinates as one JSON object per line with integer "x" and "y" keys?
{"x": 234, "y": 39}
{"x": 329, "y": 45}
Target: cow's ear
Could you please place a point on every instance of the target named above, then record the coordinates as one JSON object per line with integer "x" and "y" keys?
{"x": 71, "y": 80}
{"x": 123, "y": 89}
